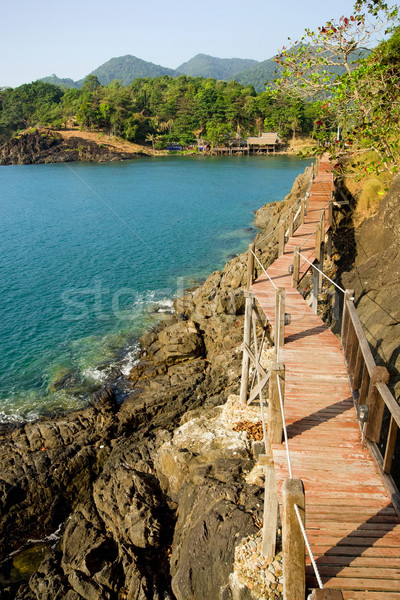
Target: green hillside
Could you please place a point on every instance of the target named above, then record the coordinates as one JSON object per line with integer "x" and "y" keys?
{"x": 258, "y": 75}
{"x": 203, "y": 65}
{"x": 62, "y": 82}
{"x": 127, "y": 68}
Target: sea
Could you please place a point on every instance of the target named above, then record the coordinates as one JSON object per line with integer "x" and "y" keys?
{"x": 91, "y": 255}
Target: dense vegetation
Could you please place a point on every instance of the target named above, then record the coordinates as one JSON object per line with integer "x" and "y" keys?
{"x": 203, "y": 65}
{"x": 361, "y": 101}
{"x": 158, "y": 110}
{"x": 328, "y": 85}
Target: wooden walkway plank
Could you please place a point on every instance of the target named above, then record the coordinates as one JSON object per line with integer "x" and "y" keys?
{"x": 352, "y": 526}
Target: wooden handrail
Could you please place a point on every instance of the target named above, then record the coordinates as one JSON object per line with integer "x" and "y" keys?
{"x": 369, "y": 383}
{"x": 389, "y": 401}
{"x": 359, "y": 332}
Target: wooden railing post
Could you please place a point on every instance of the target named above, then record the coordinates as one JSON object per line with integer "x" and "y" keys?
{"x": 302, "y": 211}
{"x": 329, "y": 245}
{"x": 275, "y": 419}
{"x": 390, "y": 445}
{"x": 315, "y": 289}
{"x": 322, "y": 222}
{"x": 250, "y": 265}
{"x": 296, "y": 267}
{"x": 293, "y": 546}
{"x": 280, "y": 295}
{"x": 318, "y": 243}
{"x": 307, "y": 202}
{"x": 281, "y": 239}
{"x": 270, "y": 520}
{"x": 246, "y": 340}
{"x": 291, "y": 223}
{"x": 330, "y": 212}
{"x": 348, "y": 295}
{"x": 375, "y": 405}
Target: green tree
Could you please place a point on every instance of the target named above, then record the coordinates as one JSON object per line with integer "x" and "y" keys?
{"x": 363, "y": 101}
{"x": 218, "y": 133}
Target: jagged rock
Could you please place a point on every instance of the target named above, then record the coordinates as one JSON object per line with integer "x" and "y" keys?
{"x": 267, "y": 217}
{"x": 49, "y": 147}
{"x": 127, "y": 501}
{"x": 374, "y": 274}
{"x": 93, "y": 469}
{"x": 180, "y": 342}
{"x": 49, "y": 583}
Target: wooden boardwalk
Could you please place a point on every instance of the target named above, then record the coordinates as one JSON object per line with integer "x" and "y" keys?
{"x": 353, "y": 529}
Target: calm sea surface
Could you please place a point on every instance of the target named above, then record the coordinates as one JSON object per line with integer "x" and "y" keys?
{"x": 86, "y": 249}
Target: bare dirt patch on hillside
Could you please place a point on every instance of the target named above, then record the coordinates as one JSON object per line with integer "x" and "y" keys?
{"x": 112, "y": 142}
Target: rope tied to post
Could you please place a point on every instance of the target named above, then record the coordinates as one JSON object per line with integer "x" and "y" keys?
{"x": 264, "y": 270}
{"x": 296, "y": 508}
{"x": 322, "y": 273}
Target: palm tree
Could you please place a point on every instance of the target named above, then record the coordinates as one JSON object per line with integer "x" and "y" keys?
{"x": 150, "y": 137}
{"x": 197, "y": 133}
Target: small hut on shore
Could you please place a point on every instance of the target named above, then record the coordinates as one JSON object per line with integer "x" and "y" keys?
{"x": 267, "y": 142}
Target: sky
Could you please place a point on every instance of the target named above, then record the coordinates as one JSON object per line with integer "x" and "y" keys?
{"x": 72, "y": 39}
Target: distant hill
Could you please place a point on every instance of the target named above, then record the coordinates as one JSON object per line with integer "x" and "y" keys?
{"x": 62, "y": 82}
{"x": 258, "y": 75}
{"x": 127, "y": 68}
{"x": 203, "y": 65}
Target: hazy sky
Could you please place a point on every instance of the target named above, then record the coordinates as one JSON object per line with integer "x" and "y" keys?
{"x": 73, "y": 38}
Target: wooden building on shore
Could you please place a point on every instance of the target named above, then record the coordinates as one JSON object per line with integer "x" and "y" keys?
{"x": 265, "y": 144}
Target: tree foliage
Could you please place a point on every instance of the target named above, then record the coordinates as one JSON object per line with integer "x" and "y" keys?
{"x": 159, "y": 110}
{"x": 364, "y": 102}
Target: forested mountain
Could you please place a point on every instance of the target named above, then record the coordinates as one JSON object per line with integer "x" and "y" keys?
{"x": 258, "y": 75}
{"x": 126, "y": 69}
{"x": 60, "y": 81}
{"x": 203, "y": 65}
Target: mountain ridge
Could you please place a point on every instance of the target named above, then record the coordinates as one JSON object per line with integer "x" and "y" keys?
{"x": 128, "y": 68}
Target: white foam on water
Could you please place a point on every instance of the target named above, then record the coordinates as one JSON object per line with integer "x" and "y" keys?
{"x": 165, "y": 306}
{"x": 130, "y": 360}
{"x": 95, "y": 374}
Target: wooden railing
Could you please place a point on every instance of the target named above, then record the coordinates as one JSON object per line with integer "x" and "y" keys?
{"x": 290, "y": 221}
{"x": 371, "y": 394}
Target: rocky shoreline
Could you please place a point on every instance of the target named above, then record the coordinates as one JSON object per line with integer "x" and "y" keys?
{"x": 46, "y": 146}
{"x": 159, "y": 498}
{"x": 140, "y": 510}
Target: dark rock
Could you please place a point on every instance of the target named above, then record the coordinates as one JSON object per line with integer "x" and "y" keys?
{"x": 209, "y": 525}
{"x": 374, "y": 274}
{"x": 49, "y": 147}
{"x": 114, "y": 478}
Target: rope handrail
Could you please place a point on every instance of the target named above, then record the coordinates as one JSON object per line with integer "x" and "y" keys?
{"x": 296, "y": 508}
{"x": 264, "y": 270}
{"x": 277, "y": 341}
{"x": 311, "y": 234}
{"x": 310, "y": 552}
{"x": 282, "y": 219}
{"x": 267, "y": 235}
{"x": 285, "y": 429}
{"x": 322, "y": 273}
{"x": 285, "y": 215}
{"x": 259, "y": 386}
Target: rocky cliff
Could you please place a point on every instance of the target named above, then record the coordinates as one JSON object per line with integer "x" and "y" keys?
{"x": 37, "y": 147}
{"x": 369, "y": 263}
{"x": 147, "y": 499}
{"x": 156, "y": 497}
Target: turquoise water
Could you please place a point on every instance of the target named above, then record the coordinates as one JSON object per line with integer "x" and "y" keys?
{"x": 86, "y": 248}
